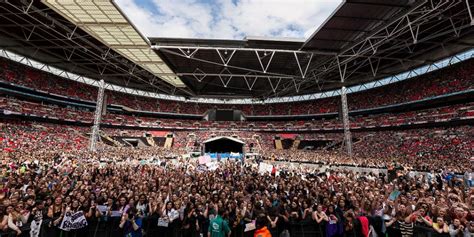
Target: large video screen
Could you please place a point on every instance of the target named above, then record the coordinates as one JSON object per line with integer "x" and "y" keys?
{"x": 224, "y": 115}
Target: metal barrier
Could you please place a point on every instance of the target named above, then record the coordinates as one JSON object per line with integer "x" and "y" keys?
{"x": 110, "y": 228}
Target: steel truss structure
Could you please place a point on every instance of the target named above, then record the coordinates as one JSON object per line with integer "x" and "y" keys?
{"x": 400, "y": 44}
{"x": 345, "y": 122}
{"x": 31, "y": 28}
{"x": 404, "y": 47}
{"x": 97, "y": 116}
{"x": 417, "y": 23}
{"x": 366, "y": 86}
{"x": 264, "y": 57}
{"x": 83, "y": 79}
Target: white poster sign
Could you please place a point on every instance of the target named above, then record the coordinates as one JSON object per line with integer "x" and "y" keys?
{"x": 73, "y": 221}
{"x": 265, "y": 168}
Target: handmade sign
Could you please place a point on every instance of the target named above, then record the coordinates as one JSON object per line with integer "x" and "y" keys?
{"x": 73, "y": 221}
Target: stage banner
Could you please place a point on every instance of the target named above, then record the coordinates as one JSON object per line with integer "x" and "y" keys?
{"x": 73, "y": 221}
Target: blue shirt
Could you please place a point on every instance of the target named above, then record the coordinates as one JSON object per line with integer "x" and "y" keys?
{"x": 130, "y": 232}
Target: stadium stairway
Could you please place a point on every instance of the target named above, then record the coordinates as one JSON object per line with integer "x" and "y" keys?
{"x": 121, "y": 141}
{"x": 333, "y": 145}
{"x": 259, "y": 145}
{"x": 108, "y": 140}
{"x": 357, "y": 140}
{"x": 278, "y": 145}
{"x": 150, "y": 141}
{"x": 190, "y": 144}
{"x": 125, "y": 108}
{"x": 168, "y": 142}
{"x": 295, "y": 145}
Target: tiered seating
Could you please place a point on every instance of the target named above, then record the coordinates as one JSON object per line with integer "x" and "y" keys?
{"x": 33, "y": 78}
{"x": 20, "y": 136}
{"x": 452, "y": 79}
{"x": 446, "y": 113}
{"x": 420, "y": 149}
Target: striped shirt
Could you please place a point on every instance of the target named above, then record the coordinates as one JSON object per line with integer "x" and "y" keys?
{"x": 406, "y": 229}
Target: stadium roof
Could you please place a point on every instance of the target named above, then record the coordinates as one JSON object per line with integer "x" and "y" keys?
{"x": 352, "y": 20}
{"x": 104, "y": 21}
{"x": 89, "y": 38}
{"x": 363, "y": 40}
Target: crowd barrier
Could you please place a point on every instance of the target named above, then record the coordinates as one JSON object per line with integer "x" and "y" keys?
{"x": 360, "y": 169}
{"x": 324, "y": 167}
{"x": 110, "y": 228}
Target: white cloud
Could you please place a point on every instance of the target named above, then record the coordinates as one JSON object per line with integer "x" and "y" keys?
{"x": 227, "y": 19}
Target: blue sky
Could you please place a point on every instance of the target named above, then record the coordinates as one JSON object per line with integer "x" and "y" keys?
{"x": 228, "y": 19}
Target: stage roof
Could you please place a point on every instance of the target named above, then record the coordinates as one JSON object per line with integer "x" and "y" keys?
{"x": 221, "y": 137}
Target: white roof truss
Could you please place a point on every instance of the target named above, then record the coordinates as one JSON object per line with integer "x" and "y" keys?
{"x": 103, "y": 20}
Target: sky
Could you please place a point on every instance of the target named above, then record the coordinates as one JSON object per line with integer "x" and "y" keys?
{"x": 228, "y": 19}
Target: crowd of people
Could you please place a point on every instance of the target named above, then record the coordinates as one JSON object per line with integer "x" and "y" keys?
{"x": 439, "y": 114}
{"x": 21, "y": 136}
{"x": 48, "y": 176}
{"x": 416, "y": 182}
{"x": 455, "y": 78}
{"x": 180, "y": 200}
{"x": 422, "y": 149}
{"x": 416, "y": 149}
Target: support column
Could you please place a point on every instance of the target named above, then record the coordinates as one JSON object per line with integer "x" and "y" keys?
{"x": 470, "y": 12}
{"x": 97, "y": 116}
{"x": 345, "y": 122}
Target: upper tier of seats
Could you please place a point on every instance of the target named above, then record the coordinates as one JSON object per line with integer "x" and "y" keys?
{"x": 445, "y": 113}
{"x": 455, "y": 78}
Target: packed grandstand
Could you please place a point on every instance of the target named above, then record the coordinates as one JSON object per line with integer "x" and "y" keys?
{"x": 206, "y": 144}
